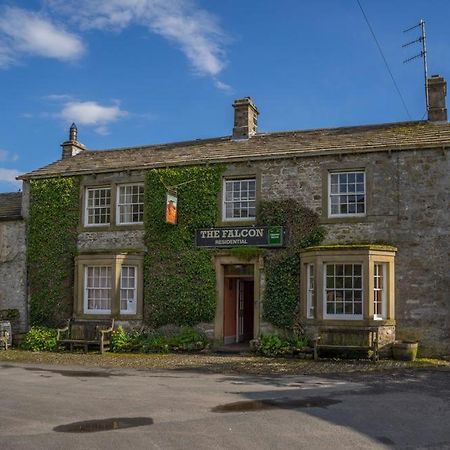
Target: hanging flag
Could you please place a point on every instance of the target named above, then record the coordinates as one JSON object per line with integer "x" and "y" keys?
{"x": 171, "y": 208}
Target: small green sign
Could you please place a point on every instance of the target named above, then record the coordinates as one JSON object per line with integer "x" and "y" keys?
{"x": 275, "y": 236}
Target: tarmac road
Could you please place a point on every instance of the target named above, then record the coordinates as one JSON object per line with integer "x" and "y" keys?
{"x": 61, "y": 407}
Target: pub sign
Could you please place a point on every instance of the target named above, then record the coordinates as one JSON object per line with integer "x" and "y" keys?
{"x": 272, "y": 236}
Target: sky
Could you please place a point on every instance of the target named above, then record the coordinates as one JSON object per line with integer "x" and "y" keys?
{"x": 136, "y": 72}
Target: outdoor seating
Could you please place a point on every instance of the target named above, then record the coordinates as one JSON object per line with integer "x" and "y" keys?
{"x": 86, "y": 333}
{"x": 347, "y": 339}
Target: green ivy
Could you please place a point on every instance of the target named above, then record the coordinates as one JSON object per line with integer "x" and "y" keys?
{"x": 179, "y": 280}
{"x": 51, "y": 236}
{"x": 282, "y": 293}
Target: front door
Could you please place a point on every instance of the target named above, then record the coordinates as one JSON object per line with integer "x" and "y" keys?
{"x": 238, "y": 314}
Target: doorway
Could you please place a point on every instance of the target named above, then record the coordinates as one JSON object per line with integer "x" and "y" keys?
{"x": 238, "y": 304}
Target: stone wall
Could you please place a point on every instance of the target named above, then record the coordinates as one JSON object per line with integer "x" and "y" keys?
{"x": 13, "y": 280}
{"x": 408, "y": 206}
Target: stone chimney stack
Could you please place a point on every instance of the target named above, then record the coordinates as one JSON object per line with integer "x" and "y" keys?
{"x": 72, "y": 147}
{"x": 437, "y": 90}
{"x": 245, "y": 118}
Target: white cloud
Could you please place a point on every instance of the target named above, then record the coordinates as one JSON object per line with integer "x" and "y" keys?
{"x": 25, "y": 32}
{"x": 9, "y": 176}
{"x": 194, "y": 30}
{"x": 91, "y": 113}
{"x": 8, "y": 156}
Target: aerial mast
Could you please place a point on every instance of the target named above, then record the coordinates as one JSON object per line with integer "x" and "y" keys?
{"x": 422, "y": 54}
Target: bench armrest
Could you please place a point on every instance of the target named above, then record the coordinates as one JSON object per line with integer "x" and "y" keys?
{"x": 60, "y": 331}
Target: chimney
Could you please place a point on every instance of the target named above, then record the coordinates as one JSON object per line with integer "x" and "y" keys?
{"x": 245, "y": 118}
{"x": 72, "y": 147}
{"x": 437, "y": 90}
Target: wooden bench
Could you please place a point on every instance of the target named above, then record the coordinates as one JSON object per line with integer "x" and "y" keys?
{"x": 85, "y": 333}
{"x": 339, "y": 338}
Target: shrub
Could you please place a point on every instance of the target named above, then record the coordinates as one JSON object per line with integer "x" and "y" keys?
{"x": 40, "y": 339}
{"x": 165, "y": 340}
{"x": 273, "y": 345}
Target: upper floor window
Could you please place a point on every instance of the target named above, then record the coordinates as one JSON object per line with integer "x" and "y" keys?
{"x": 347, "y": 194}
{"x": 130, "y": 204}
{"x": 98, "y": 206}
{"x": 239, "y": 199}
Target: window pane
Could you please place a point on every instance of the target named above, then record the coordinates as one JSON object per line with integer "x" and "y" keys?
{"x": 131, "y": 204}
{"x": 239, "y": 199}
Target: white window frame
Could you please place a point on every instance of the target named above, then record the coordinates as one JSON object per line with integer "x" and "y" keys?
{"x": 86, "y": 290}
{"x": 86, "y": 207}
{"x": 118, "y": 204}
{"x": 224, "y": 202}
{"x": 339, "y": 172}
{"x": 129, "y": 311}
{"x": 342, "y": 316}
{"x": 383, "y": 266}
{"x": 310, "y": 276}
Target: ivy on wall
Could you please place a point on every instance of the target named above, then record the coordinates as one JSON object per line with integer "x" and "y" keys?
{"x": 179, "y": 279}
{"x": 51, "y": 238}
{"x": 282, "y": 293}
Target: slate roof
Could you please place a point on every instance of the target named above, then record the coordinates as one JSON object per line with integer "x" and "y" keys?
{"x": 392, "y": 136}
{"x": 11, "y": 206}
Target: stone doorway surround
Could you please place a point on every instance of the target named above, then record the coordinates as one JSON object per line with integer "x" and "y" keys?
{"x": 222, "y": 259}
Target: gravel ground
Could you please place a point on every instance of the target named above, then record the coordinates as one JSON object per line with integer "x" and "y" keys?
{"x": 226, "y": 364}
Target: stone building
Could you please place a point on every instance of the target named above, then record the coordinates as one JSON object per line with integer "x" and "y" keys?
{"x": 382, "y": 188}
{"x": 13, "y": 285}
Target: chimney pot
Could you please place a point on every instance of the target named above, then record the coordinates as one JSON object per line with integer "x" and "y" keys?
{"x": 437, "y": 91}
{"x": 245, "y": 118}
{"x": 72, "y": 147}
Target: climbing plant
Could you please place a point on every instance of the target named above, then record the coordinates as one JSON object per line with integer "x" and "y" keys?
{"x": 179, "y": 280}
{"x": 282, "y": 291}
{"x": 51, "y": 235}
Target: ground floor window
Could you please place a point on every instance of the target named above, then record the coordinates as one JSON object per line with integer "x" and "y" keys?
{"x": 348, "y": 283}
{"x": 98, "y": 281}
{"x": 109, "y": 285}
{"x": 343, "y": 291}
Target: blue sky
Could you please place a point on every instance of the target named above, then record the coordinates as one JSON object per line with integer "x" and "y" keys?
{"x": 132, "y": 72}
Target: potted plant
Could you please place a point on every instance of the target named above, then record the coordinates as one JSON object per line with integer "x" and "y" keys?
{"x": 405, "y": 350}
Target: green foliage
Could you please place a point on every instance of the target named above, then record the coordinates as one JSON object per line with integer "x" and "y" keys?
{"x": 179, "y": 281}
{"x": 246, "y": 253}
{"x": 52, "y": 232}
{"x": 184, "y": 340}
{"x": 273, "y": 345}
{"x": 40, "y": 339}
{"x": 282, "y": 293}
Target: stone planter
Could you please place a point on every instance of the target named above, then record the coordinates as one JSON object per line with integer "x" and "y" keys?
{"x": 405, "y": 350}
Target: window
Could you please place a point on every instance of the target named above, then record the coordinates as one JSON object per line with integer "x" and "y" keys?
{"x": 310, "y": 294}
{"x": 130, "y": 204}
{"x": 349, "y": 283}
{"x": 343, "y": 290}
{"x": 109, "y": 285}
{"x": 239, "y": 199}
{"x": 346, "y": 194}
{"x": 379, "y": 291}
{"x": 98, "y": 281}
{"x": 98, "y": 206}
{"x": 128, "y": 290}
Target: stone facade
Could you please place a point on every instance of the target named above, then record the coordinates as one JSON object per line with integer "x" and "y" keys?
{"x": 13, "y": 281}
{"x": 406, "y": 201}
{"x": 408, "y": 206}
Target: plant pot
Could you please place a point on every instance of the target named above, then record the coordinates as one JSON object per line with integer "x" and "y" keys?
{"x": 405, "y": 350}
